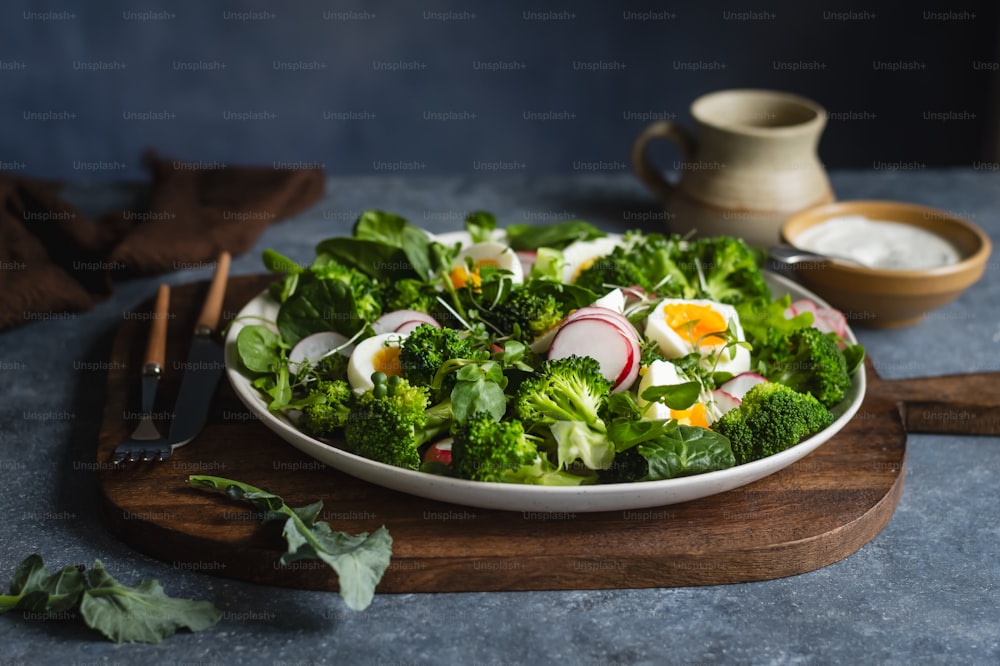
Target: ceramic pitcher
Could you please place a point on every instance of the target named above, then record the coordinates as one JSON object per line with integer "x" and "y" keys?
{"x": 749, "y": 163}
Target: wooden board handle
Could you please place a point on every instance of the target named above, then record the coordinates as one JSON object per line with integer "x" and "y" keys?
{"x": 952, "y": 404}
{"x": 210, "y": 311}
{"x": 157, "y": 344}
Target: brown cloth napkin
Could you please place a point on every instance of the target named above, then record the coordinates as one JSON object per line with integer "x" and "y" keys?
{"x": 54, "y": 260}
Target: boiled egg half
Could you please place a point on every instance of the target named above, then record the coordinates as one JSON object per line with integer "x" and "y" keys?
{"x": 680, "y": 327}
{"x": 467, "y": 263}
{"x": 379, "y": 353}
{"x": 664, "y": 373}
{"x": 581, "y": 255}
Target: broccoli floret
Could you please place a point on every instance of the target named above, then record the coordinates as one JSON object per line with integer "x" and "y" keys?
{"x": 771, "y": 418}
{"x": 331, "y": 367}
{"x": 426, "y": 349}
{"x": 329, "y": 413}
{"x": 617, "y": 269}
{"x": 500, "y": 451}
{"x": 811, "y": 362}
{"x": 410, "y": 294}
{"x": 565, "y": 398}
{"x": 531, "y": 312}
{"x": 391, "y": 421}
{"x": 728, "y": 270}
{"x": 366, "y": 292}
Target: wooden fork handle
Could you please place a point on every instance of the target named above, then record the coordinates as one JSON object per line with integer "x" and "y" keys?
{"x": 156, "y": 345}
{"x": 210, "y": 311}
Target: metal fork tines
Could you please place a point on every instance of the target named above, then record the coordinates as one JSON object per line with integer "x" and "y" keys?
{"x": 146, "y": 443}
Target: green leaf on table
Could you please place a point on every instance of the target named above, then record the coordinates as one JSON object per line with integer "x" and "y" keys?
{"x": 124, "y": 614}
{"x": 359, "y": 560}
{"x": 140, "y": 614}
{"x": 33, "y": 588}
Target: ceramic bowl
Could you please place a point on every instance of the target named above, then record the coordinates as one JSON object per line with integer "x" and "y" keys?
{"x": 885, "y": 298}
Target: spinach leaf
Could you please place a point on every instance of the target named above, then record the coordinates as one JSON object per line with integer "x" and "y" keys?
{"x": 690, "y": 450}
{"x": 373, "y": 258}
{"x": 359, "y": 560}
{"x": 396, "y": 231}
{"x": 674, "y": 396}
{"x": 143, "y": 613}
{"x": 531, "y": 237}
{"x": 259, "y": 348}
{"x": 316, "y": 306}
{"x": 854, "y": 355}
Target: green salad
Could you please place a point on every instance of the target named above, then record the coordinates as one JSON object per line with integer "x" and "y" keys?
{"x": 546, "y": 355}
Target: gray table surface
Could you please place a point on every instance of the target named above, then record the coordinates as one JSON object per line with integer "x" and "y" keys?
{"x": 923, "y": 591}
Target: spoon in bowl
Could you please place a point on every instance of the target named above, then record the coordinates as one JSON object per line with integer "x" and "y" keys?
{"x": 790, "y": 255}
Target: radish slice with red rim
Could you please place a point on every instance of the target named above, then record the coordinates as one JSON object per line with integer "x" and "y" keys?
{"x": 390, "y": 322}
{"x": 725, "y": 401}
{"x": 312, "y": 347}
{"x": 741, "y": 383}
{"x": 602, "y": 340}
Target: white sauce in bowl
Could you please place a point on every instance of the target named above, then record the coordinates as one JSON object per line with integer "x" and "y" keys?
{"x": 878, "y": 243}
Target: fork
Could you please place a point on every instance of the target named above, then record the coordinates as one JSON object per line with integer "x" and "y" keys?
{"x": 146, "y": 443}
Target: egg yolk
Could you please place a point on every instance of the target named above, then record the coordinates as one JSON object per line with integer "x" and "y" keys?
{"x": 387, "y": 360}
{"x": 461, "y": 277}
{"x": 693, "y": 416}
{"x": 695, "y": 323}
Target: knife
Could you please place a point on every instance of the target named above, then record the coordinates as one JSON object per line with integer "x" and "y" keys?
{"x": 204, "y": 364}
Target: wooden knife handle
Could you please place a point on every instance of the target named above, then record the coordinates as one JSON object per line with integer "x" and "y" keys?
{"x": 210, "y": 311}
{"x": 157, "y": 344}
{"x": 953, "y": 404}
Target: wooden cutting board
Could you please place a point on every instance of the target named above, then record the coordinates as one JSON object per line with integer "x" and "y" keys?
{"x": 811, "y": 514}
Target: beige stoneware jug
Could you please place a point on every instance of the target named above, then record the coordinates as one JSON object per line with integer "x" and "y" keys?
{"x": 749, "y": 163}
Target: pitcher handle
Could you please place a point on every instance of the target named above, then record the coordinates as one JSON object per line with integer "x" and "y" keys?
{"x": 644, "y": 168}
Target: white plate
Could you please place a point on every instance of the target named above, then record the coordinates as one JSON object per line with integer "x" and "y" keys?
{"x": 526, "y": 498}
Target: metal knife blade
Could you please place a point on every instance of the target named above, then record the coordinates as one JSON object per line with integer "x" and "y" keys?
{"x": 204, "y": 365}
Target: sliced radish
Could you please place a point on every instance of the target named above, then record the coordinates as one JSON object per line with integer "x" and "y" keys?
{"x": 616, "y": 318}
{"x": 725, "y": 401}
{"x": 316, "y": 345}
{"x": 527, "y": 258}
{"x": 602, "y": 340}
{"x": 439, "y": 452}
{"x": 828, "y": 320}
{"x": 407, "y": 326}
{"x": 738, "y": 386}
{"x": 391, "y": 321}
{"x": 542, "y": 344}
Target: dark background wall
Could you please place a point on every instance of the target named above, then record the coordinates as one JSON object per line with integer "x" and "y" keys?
{"x": 460, "y": 86}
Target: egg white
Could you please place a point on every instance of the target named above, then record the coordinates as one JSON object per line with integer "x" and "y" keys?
{"x": 581, "y": 254}
{"x": 657, "y": 373}
{"x": 672, "y": 345}
{"x": 362, "y": 362}
{"x": 504, "y": 256}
